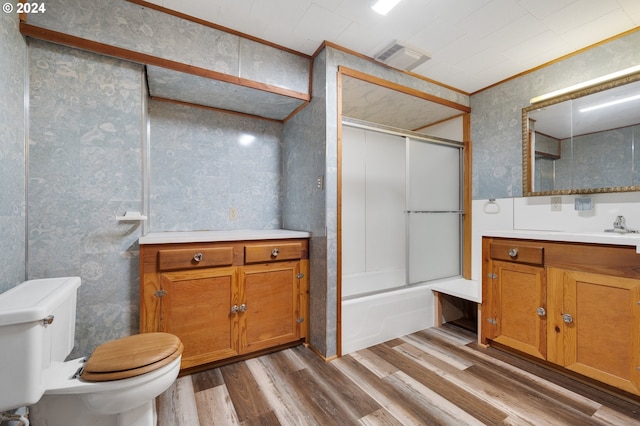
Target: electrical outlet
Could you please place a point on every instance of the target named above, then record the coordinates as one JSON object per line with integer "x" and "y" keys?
{"x": 583, "y": 204}
{"x": 233, "y": 213}
{"x": 556, "y": 204}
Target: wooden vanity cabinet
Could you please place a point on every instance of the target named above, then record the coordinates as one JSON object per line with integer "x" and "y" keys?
{"x": 574, "y": 305}
{"x": 225, "y": 300}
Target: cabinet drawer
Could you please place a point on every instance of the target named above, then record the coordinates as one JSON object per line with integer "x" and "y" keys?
{"x": 194, "y": 258}
{"x": 272, "y": 252}
{"x": 516, "y": 252}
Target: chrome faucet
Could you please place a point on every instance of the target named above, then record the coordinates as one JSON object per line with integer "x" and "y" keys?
{"x": 620, "y": 226}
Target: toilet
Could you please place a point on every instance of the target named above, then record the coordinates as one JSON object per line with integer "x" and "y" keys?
{"x": 116, "y": 385}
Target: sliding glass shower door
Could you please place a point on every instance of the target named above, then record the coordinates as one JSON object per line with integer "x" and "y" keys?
{"x": 401, "y": 210}
{"x": 434, "y": 210}
{"x": 373, "y": 218}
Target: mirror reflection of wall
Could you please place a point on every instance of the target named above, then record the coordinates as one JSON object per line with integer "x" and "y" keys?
{"x": 602, "y": 159}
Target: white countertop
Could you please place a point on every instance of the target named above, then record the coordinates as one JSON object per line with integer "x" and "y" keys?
{"x": 612, "y": 238}
{"x": 214, "y": 236}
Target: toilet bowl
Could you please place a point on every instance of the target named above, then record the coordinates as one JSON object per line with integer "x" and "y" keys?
{"x": 77, "y": 402}
{"x": 116, "y": 385}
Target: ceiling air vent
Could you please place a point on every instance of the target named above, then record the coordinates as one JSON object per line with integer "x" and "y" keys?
{"x": 401, "y": 56}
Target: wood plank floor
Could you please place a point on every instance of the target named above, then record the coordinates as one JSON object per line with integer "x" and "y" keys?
{"x": 438, "y": 376}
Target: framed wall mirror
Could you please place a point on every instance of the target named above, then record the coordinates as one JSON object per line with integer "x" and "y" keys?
{"x": 583, "y": 142}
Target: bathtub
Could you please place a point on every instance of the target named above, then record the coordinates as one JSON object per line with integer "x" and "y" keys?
{"x": 376, "y": 318}
{"x": 372, "y": 282}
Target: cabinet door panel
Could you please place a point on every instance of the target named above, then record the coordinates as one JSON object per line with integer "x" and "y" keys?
{"x": 197, "y": 309}
{"x": 520, "y": 290}
{"x": 270, "y": 294}
{"x": 603, "y": 339}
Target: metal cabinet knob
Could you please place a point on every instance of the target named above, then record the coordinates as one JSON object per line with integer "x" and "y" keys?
{"x": 275, "y": 252}
{"x": 513, "y": 252}
{"x": 567, "y": 318}
{"x": 197, "y": 257}
{"x": 234, "y": 309}
{"x": 242, "y": 308}
{"x": 541, "y": 311}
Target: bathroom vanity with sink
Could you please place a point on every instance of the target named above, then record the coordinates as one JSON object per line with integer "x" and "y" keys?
{"x": 572, "y": 300}
{"x": 225, "y": 294}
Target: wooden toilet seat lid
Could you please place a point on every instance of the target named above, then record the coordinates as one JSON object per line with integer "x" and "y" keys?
{"x": 131, "y": 356}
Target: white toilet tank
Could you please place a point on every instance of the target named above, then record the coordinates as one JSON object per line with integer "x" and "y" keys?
{"x": 37, "y": 327}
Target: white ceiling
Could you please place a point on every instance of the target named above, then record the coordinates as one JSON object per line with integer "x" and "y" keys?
{"x": 473, "y": 43}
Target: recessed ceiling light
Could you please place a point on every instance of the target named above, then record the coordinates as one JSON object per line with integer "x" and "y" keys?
{"x": 384, "y": 6}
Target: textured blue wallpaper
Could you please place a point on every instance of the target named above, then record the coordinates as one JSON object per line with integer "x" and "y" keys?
{"x": 12, "y": 155}
{"x": 205, "y": 163}
{"x": 85, "y": 132}
{"x": 496, "y": 125}
{"x": 130, "y": 26}
{"x": 304, "y": 204}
